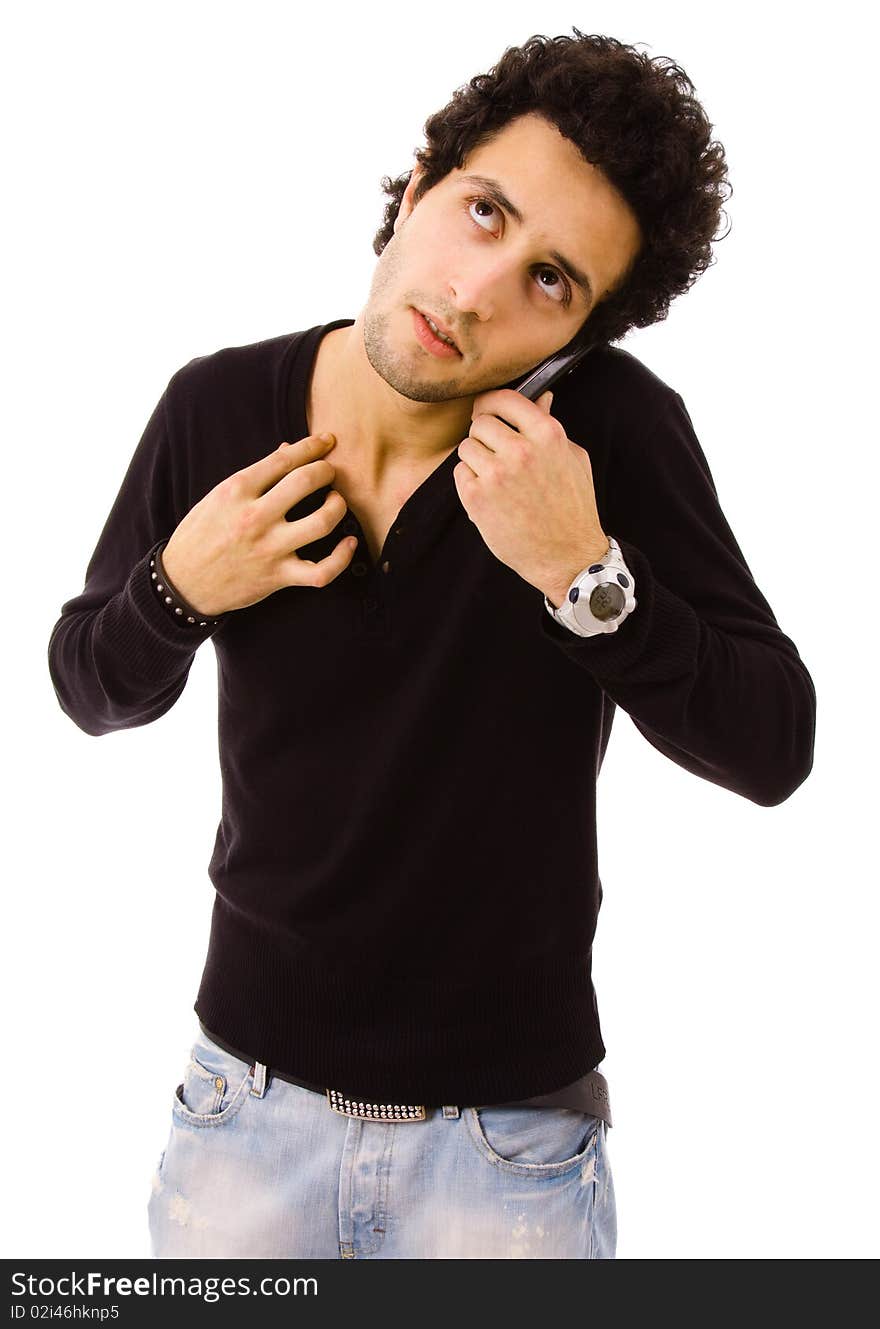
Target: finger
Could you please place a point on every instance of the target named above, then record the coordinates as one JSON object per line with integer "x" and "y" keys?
{"x": 512, "y": 407}
{"x": 266, "y": 472}
{"x": 294, "y": 485}
{"x": 493, "y": 434}
{"x": 309, "y": 572}
{"x": 314, "y": 525}
{"x": 474, "y": 455}
{"x": 545, "y": 401}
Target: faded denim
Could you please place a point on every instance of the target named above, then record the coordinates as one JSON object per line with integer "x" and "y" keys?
{"x": 283, "y": 1177}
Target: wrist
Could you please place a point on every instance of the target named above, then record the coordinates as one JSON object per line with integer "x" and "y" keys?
{"x": 168, "y": 588}
{"x": 599, "y": 597}
{"x": 596, "y": 553}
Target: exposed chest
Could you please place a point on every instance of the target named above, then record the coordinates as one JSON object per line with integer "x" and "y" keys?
{"x": 376, "y": 506}
{"x": 376, "y": 513}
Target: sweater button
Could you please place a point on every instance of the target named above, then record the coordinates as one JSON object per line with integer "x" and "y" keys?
{"x": 386, "y": 566}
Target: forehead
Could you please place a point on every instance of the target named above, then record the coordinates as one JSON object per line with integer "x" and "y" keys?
{"x": 564, "y": 199}
{"x": 533, "y": 152}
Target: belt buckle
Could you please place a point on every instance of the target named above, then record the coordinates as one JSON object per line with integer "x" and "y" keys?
{"x": 352, "y": 1107}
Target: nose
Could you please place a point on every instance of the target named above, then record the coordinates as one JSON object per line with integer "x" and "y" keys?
{"x": 470, "y": 299}
{"x": 481, "y": 289}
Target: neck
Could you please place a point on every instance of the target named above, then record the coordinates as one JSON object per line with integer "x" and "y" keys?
{"x": 387, "y": 432}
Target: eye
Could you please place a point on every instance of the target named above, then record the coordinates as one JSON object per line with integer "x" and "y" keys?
{"x": 483, "y": 203}
{"x": 560, "y": 284}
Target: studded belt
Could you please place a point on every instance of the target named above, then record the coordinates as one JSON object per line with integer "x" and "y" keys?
{"x": 340, "y": 1102}
{"x": 348, "y": 1107}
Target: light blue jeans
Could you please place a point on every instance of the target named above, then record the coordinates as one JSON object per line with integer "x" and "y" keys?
{"x": 282, "y": 1176}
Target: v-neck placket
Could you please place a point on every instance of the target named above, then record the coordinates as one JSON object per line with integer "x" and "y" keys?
{"x": 371, "y": 583}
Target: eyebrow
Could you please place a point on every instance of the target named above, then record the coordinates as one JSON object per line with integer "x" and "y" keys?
{"x": 494, "y": 191}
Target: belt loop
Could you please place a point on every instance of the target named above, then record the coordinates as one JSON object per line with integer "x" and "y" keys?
{"x": 450, "y": 1111}
{"x": 259, "y": 1086}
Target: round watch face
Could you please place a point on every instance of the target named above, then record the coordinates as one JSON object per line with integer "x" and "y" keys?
{"x": 607, "y": 601}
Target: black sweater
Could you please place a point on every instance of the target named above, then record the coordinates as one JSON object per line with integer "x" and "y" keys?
{"x": 405, "y": 867}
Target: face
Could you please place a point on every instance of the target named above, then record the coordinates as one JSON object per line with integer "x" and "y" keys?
{"x": 502, "y": 286}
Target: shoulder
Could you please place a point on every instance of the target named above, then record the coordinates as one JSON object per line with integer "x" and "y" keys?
{"x": 615, "y": 384}
{"x": 228, "y": 373}
{"x": 223, "y": 408}
{"x": 629, "y": 418}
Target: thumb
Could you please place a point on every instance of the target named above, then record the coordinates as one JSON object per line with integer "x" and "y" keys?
{"x": 545, "y": 401}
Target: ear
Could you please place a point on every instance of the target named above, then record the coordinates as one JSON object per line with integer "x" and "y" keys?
{"x": 406, "y": 203}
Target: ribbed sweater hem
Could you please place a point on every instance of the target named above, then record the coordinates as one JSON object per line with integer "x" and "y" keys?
{"x": 431, "y": 1040}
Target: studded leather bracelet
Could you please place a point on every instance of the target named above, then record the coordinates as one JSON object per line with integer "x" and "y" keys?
{"x": 175, "y": 603}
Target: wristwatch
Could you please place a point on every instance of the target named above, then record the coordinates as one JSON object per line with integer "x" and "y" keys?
{"x": 599, "y": 598}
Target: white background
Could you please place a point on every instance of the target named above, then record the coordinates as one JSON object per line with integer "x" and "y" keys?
{"x": 190, "y": 176}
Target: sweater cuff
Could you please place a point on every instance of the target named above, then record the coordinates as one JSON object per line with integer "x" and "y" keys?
{"x": 659, "y": 638}
{"x": 149, "y": 637}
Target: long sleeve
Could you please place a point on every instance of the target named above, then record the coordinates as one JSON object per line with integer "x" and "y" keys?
{"x": 701, "y": 665}
{"x": 116, "y": 657}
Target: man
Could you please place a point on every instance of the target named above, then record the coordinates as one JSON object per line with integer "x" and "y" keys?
{"x": 399, "y": 1039}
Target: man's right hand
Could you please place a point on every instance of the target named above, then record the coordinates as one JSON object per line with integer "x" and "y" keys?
{"x": 235, "y": 547}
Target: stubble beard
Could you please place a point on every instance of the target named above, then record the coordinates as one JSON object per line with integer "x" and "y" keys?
{"x": 400, "y": 369}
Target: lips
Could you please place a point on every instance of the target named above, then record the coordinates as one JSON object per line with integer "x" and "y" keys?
{"x": 440, "y": 327}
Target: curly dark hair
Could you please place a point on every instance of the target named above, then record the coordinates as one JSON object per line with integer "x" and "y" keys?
{"x": 633, "y": 117}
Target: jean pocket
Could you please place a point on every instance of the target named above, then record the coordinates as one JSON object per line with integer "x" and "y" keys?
{"x": 215, "y": 1085}
{"x": 534, "y": 1141}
